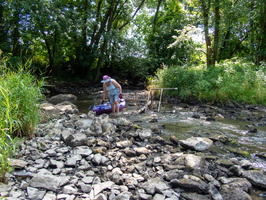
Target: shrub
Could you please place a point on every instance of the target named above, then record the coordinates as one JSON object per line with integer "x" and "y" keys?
{"x": 232, "y": 80}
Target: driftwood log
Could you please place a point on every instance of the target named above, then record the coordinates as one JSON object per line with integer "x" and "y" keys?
{"x": 144, "y": 108}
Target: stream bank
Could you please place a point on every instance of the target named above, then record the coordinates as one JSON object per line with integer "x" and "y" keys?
{"x": 83, "y": 156}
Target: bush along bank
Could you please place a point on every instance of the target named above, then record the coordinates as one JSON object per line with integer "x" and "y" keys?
{"x": 108, "y": 157}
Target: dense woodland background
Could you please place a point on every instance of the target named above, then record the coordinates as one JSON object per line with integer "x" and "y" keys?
{"x": 129, "y": 39}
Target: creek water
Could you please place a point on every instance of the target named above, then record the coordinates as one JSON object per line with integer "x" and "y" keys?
{"x": 178, "y": 121}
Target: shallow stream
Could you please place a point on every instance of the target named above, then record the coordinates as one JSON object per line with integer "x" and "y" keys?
{"x": 179, "y": 121}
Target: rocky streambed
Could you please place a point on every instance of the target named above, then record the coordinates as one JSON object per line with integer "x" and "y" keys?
{"x": 83, "y": 156}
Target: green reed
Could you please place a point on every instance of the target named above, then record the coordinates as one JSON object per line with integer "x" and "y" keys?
{"x": 20, "y": 95}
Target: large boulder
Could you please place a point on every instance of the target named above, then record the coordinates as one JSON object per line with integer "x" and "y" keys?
{"x": 61, "y": 98}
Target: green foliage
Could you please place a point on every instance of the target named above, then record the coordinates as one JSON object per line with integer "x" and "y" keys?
{"x": 20, "y": 94}
{"x": 233, "y": 80}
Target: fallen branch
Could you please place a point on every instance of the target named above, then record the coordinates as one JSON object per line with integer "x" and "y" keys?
{"x": 144, "y": 108}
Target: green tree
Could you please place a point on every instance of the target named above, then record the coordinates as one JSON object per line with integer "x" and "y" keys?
{"x": 161, "y": 19}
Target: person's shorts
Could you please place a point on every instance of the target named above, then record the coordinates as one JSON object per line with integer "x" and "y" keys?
{"x": 113, "y": 98}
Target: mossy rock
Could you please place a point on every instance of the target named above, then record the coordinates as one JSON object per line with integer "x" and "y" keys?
{"x": 136, "y": 126}
{"x": 224, "y": 162}
{"x": 210, "y": 157}
{"x": 239, "y": 152}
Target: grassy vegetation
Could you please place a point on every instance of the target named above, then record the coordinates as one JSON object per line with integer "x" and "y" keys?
{"x": 20, "y": 94}
{"x": 230, "y": 81}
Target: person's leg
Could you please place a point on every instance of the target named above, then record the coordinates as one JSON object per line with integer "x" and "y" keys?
{"x": 116, "y": 106}
{"x": 112, "y": 101}
{"x": 113, "y": 107}
{"x": 116, "y": 101}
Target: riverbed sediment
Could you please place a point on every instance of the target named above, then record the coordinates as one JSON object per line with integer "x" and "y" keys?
{"x": 83, "y": 156}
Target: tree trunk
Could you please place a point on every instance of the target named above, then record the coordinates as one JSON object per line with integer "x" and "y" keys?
{"x": 216, "y": 32}
{"x": 262, "y": 35}
{"x": 205, "y": 13}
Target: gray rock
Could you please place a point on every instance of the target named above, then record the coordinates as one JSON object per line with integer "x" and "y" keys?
{"x": 84, "y": 151}
{"x": 144, "y": 133}
{"x": 88, "y": 179}
{"x": 214, "y": 192}
{"x": 124, "y": 144}
{"x": 49, "y": 196}
{"x": 98, "y": 188}
{"x": 48, "y": 182}
{"x": 257, "y": 178}
{"x": 194, "y": 196}
{"x": 122, "y": 122}
{"x": 83, "y": 123}
{"x": 197, "y": 143}
{"x": 154, "y": 185}
{"x": 85, "y": 188}
{"x": 240, "y": 183}
{"x": 77, "y": 139}
{"x": 66, "y": 133}
{"x": 61, "y": 98}
{"x": 72, "y": 161}
{"x": 145, "y": 196}
{"x": 192, "y": 184}
{"x": 50, "y": 111}
{"x": 98, "y": 159}
{"x": 159, "y": 197}
{"x": 96, "y": 126}
{"x": 234, "y": 193}
{"x": 67, "y": 107}
{"x": 69, "y": 189}
{"x": 17, "y": 163}
{"x": 142, "y": 150}
{"x": 190, "y": 161}
{"x": 35, "y": 194}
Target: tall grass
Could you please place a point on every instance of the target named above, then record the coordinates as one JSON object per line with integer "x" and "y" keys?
{"x": 232, "y": 80}
{"x": 20, "y": 94}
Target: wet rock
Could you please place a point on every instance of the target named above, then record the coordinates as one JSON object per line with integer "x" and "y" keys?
{"x": 224, "y": 163}
{"x": 221, "y": 138}
{"x": 232, "y": 193}
{"x": 174, "y": 139}
{"x": 196, "y": 116}
{"x": 144, "y": 133}
{"x": 197, "y": 143}
{"x": 192, "y": 184}
{"x": 214, "y": 193}
{"x": 251, "y": 129}
{"x": 239, "y": 183}
{"x": 257, "y": 178}
{"x": 194, "y": 196}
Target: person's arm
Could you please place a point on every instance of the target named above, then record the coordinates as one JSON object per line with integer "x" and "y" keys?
{"x": 116, "y": 84}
